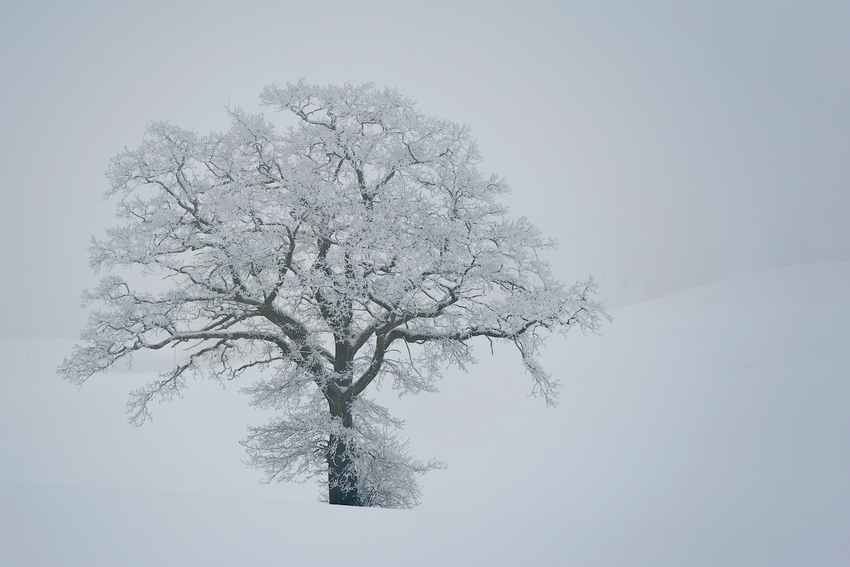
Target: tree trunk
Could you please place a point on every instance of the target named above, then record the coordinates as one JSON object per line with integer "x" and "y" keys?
{"x": 342, "y": 478}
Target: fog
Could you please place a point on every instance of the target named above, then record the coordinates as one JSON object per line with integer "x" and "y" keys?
{"x": 664, "y": 145}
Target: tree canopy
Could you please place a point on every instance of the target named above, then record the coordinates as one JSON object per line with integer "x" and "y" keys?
{"x": 360, "y": 245}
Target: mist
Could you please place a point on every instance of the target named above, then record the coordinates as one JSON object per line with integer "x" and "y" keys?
{"x": 693, "y": 157}
{"x": 664, "y": 145}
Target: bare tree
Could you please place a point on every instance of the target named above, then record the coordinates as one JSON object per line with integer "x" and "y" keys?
{"x": 361, "y": 245}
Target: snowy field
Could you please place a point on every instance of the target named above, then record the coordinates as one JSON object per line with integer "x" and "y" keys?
{"x": 708, "y": 427}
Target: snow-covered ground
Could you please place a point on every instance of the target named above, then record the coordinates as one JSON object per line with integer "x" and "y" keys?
{"x": 708, "y": 427}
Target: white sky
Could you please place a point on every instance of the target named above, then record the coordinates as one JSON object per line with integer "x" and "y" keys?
{"x": 664, "y": 144}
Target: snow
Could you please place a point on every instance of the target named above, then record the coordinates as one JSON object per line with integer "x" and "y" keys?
{"x": 708, "y": 427}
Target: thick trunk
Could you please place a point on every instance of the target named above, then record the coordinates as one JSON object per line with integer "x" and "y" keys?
{"x": 342, "y": 478}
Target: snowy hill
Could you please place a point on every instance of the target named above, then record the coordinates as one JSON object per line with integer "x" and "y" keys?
{"x": 708, "y": 427}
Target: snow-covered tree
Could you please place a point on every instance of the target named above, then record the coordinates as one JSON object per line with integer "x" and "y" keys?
{"x": 361, "y": 245}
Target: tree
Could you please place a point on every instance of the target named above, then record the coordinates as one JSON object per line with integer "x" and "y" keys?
{"x": 361, "y": 245}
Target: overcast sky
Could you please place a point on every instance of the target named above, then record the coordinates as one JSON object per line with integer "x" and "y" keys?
{"x": 663, "y": 144}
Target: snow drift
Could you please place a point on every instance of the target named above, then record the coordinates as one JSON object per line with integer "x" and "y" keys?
{"x": 708, "y": 427}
